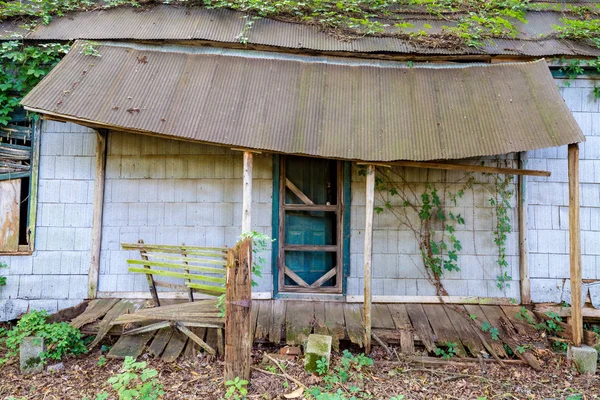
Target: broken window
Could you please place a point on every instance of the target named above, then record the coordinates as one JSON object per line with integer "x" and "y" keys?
{"x": 18, "y": 184}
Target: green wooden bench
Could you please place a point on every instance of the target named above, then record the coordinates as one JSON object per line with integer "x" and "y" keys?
{"x": 199, "y": 270}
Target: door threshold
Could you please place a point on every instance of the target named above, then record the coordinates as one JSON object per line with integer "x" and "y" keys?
{"x": 311, "y": 296}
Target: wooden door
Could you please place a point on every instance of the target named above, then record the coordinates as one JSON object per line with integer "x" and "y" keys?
{"x": 309, "y": 235}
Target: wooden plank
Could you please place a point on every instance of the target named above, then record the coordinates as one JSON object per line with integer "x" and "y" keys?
{"x": 303, "y": 247}
{"x": 164, "y": 248}
{"x": 130, "y": 346}
{"x": 464, "y": 329}
{"x": 368, "y": 254}
{"x": 468, "y": 168}
{"x": 443, "y": 328}
{"x": 174, "y": 347}
{"x": 497, "y": 318}
{"x": 477, "y": 311}
{"x": 34, "y": 184}
{"x": 293, "y": 276}
{"x": 186, "y": 331}
{"x": 384, "y": 317}
{"x": 118, "y": 309}
{"x": 191, "y": 348}
{"x": 10, "y": 216}
{"x": 320, "y": 328}
{"x": 160, "y": 341}
{"x": 354, "y": 324}
{"x": 247, "y": 194}
{"x": 402, "y": 323}
{"x": 95, "y": 310}
{"x": 263, "y": 321}
{"x": 420, "y": 323}
{"x": 277, "y": 321}
{"x": 575, "y": 246}
{"x": 334, "y": 321}
{"x": 298, "y": 321}
{"x": 306, "y": 207}
{"x": 523, "y": 327}
{"x": 522, "y": 211}
{"x": 163, "y": 264}
{"x": 97, "y": 209}
{"x": 319, "y": 282}
{"x": 211, "y": 338}
{"x": 238, "y": 342}
{"x": 173, "y": 274}
{"x": 296, "y": 190}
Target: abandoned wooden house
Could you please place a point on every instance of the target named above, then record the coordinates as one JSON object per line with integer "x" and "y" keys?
{"x": 337, "y": 150}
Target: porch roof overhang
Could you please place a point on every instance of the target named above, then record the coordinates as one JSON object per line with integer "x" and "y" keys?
{"x": 316, "y": 106}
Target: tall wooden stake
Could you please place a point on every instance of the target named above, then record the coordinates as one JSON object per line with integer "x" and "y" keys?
{"x": 368, "y": 253}
{"x": 98, "y": 206}
{"x": 575, "y": 246}
{"x": 238, "y": 342}
{"x": 523, "y": 228}
{"x": 247, "y": 199}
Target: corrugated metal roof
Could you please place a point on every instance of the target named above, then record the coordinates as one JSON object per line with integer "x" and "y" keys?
{"x": 225, "y": 26}
{"x": 318, "y": 106}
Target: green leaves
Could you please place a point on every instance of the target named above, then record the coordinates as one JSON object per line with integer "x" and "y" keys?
{"x": 236, "y": 385}
{"x": 135, "y": 382}
{"x": 487, "y": 327}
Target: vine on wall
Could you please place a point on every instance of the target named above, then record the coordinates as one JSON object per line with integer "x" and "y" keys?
{"x": 430, "y": 217}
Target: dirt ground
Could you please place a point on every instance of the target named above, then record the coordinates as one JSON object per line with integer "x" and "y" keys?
{"x": 202, "y": 379}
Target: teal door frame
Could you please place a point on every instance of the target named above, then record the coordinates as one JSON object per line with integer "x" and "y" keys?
{"x": 343, "y": 227}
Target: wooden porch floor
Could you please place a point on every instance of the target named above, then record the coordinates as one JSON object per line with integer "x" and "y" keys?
{"x": 290, "y": 322}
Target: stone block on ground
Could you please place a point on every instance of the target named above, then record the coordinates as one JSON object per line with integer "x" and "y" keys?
{"x": 290, "y": 351}
{"x": 316, "y": 348}
{"x": 585, "y": 358}
{"x": 31, "y": 349}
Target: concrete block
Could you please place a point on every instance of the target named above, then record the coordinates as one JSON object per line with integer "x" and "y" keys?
{"x": 224, "y": 168}
{"x": 48, "y": 191}
{"x": 148, "y": 190}
{"x": 587, "y": 169}
{"x": 539, "y": 265}
{"x": 156, "y": 214}
{"x": 51, "y": 144}
{"x": 211, "y": 191}
{"x": 385, "y": 266}
{"x": 590, "y": 194}
{"x": 573, "y": 96}
{"x": 56, "y": 287}
{"x": 176, "y": 167}
{"x": 584, "y": 357}
{"x": 558, "y": 266}
{"x": 61, "y": 239}
{"x": 223, "y": 214}
{"x": 46, "y": 305}
{"x": 425, "y": 288}
{"x": 125, "y": 190}
{"x": 73, "y": 144}
{"x": 215, "y": 236}
{"x": 317, "y": 347}
{"x": 477, "y": 288}
{"x": 553, "y": 242}
{"x": 200, "y": 214}
{"x": 546, "y": 290}
{"x": 456, "y": 287}
{"x": 17, "y": 265}
{"x": 47, "y": 262}
{"x": 65, "y": 167}
{"x": 591, "y": 242}
{"x": 62, "y": 304}
{"x": 192, "y": 235}
{"x": 12, "y": 309}
{"x": 78, "y": 215}
{"x": 410, "y": 266}
{"x": 542, "y": 217}
{"x": 107, "y": 283}
{"x": 88, "y": 147}
{"x": 71, "y": 263}
{"x": 131, "y": 144}
{"x": 185, "y": 190}
{"x": 138, "y": 214}
{"x": 51, "y": 214}
{"x": 394, "y": 287}
{"x": 591, "y": 147}
{"x": 83, "y": 239}
{"x": 202, "y": 166}
{"x": 47, "y": 167}
{"x": 167, "y": 235}
{"x": 78, "y": 287}
{"x": 72, "y": 191}
{"x": 30, "y": 287}
{"x": 175, "y": 214}
{"x": 30, "y": 350}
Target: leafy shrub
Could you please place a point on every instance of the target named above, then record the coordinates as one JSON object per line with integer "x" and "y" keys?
{"x": 3, "y": 278}
{"x": 235, "y": 386}
{"x": 135, "y": 382}
{"x": 60, "y": 338}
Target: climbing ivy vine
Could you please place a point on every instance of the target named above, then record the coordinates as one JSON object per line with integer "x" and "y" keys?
{"x": 504, "y": 191}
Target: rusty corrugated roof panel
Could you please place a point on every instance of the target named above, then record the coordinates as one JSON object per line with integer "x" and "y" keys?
{"x": 318, "y": 106}
{"x": 225, "y": 26}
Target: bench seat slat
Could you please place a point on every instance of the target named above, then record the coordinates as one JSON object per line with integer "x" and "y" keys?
{"x": 182, "y": 275}
{"x": 194, "y": 260}
{"x": 200, "y": 287}
{"x": 210, "y": 270}
{"x": 158, "y": 247}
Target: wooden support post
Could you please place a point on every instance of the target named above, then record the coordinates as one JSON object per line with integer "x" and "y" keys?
{"x": 247, "y": 199}
{"x": 575, "y": 246}
{"x": 523, "y": 228}
{"x": 368, "y": 254}
{"x": 94, "y": 270}
{"x": 238, "y": 342}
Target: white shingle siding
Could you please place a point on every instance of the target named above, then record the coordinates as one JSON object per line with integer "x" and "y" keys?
{"x": 55, "y": 275}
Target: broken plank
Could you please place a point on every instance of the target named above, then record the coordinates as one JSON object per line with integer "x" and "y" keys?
{"x": 523, "y": 327}
{"x": 298, "y": 321}
{"x": 334, "y": 321}
{"x": 475, "y": 310}
{"x": 254, "y": 308}
{"x": 277, "y": 321}
{"x": 195, "y": 338}
{"x": 420, "y": 323}
{"x": 402, "y": 323}
{"x": 382, "y": 317}
{"x": 443, "y": 328}
{"x": 191, "y": 348}
{"x": 118, "y": 309}
{"x": 175, "y": 346}
{"x": 462, "y": 325}
{"x": 264, "y": 320}
{"x": 160, "y": 341}
{"x": 497, "y": 318}
{"x": 130, "y": 346}
{"x": 211, "y": 338}
{"x": 95, "y": 310}
{"x": 354, "y": 323}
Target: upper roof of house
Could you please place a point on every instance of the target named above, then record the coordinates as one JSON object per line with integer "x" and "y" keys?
{"x": 318, "y": 106}
{"x": 421, "y": 32}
